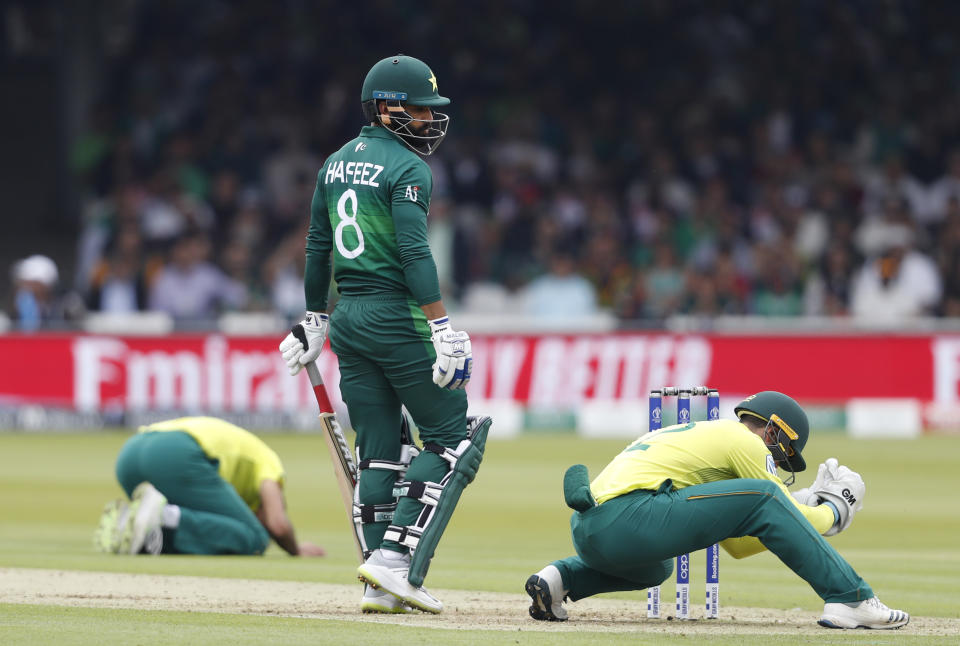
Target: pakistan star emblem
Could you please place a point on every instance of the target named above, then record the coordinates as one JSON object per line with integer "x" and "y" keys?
{"x": 433, "y": 80}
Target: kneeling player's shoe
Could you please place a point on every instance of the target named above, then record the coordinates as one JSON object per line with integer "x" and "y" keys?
{"x": 106, "y": 538}
{"x": 871, "y": 613}
{"x": 142, "y": 531}
{"x": 547, "y": 594}
{"x": 382, "y": 602}
{"x": 387, "y": 571}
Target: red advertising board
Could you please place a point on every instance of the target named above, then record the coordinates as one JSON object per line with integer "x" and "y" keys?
{"x": 215, "y": 372}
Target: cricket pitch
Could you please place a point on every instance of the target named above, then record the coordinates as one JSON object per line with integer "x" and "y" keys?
{"x": 463, "y": 610}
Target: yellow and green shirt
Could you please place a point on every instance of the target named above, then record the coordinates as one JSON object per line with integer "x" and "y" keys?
{"x": 245, "y": 461}
{"x": 697, "y": 453}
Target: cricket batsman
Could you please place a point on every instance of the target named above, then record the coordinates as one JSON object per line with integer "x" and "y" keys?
{"x": 685, "y": 487}
{"x": 390, "y": 331}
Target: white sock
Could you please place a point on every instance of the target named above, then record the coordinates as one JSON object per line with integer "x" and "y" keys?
{"x": 552, "y": 573}
{"x": 170, "y": 517}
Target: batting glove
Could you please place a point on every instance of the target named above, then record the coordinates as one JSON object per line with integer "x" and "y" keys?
{"x": 454, "y": 361}
{"x": 305, "y": 341}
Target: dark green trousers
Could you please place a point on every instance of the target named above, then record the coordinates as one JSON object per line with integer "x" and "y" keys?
{"x": 629, "y": 542}
{"x": 383, "y": 346}
{"x": 213, "y": 517}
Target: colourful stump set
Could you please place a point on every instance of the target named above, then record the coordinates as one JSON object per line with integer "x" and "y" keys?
{"x": 683, "y": 396}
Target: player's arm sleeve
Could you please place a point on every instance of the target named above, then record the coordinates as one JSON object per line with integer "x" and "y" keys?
{"x": 410, "y": 203}
{"x": 316, "y": 280}
{"x": 749, "y": 459}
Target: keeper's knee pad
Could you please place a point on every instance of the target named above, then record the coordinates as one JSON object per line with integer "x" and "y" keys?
{"x": 366, "y": 514}
{"x": 439, "y": 498}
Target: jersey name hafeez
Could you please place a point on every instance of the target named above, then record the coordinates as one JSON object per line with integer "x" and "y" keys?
{"x": 363, "y": 173}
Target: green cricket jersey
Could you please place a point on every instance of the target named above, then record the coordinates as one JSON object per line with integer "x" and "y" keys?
{"x": 370, "y": 210}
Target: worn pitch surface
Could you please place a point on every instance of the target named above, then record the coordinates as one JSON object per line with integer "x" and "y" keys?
{"x": 463, "y": 610}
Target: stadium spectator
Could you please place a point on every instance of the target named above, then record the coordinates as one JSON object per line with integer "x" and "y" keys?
{"x": 826, "y": 291}
{"x": 190, "y": 287}
{"x": 777, "y": 288}
{"x": 34, "y": 302}
{"x": 119, "y": 284}
{"x": 283, "y": 275}
{"x": 948, "y": 259}
{"x": 562, "y": 294}
{"x": 897, "y": 283}
{"x": 664, "y": 283}
{"x": 945, "y": 190}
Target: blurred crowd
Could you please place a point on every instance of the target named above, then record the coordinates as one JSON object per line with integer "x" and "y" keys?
{"x": 652, "y": 159}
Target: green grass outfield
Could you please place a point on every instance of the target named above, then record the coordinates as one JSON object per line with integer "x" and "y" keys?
{"x": 511, "y": 522}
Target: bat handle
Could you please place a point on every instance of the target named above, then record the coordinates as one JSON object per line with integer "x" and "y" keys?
{"x": 314, "y": 374}
{"x": 323, "y": 400}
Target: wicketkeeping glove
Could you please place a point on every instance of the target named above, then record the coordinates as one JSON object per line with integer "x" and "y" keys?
{"x": 826, "y": 471}
{"x": 314, "y": 329}
{"x": 845, "y": 490}
{"x": 454, "y": 361}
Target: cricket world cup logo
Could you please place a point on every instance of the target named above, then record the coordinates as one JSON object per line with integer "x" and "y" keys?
{"x": 683, "y": 416}
{"x": 655, "y": 416}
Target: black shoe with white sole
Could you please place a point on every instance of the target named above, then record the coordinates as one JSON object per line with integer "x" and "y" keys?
{"x": 543, "y": 608}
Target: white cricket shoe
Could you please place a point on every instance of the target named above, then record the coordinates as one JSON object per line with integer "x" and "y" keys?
{"x": 142, "y": 530}
{"x": 871, "y": 613}
{"x": 385, "y": 571}
{"x": 382, "y": 602}
{"x": 546, "y": 591}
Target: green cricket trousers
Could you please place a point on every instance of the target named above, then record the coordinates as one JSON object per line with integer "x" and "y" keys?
{"x": 628, "y": 542}
{"x": 214, "y": 519}
{"x": 383, "y": 346}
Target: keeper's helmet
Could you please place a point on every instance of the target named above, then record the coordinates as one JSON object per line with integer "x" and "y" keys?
{"x": 784, "y": 415}
{"x": 400, "y": 81}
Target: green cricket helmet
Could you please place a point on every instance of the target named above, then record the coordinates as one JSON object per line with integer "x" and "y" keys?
{"x": 785, "y": 416}
{"x": 401, "y": 81}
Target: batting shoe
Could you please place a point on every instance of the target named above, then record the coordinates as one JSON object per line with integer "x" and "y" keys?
{"x": 386, "y": 570}
{"x": 142, "y": 531}
{"x": 546, "y": 591}
{"x": 106, "y": 538}
{"x": 871, "y": 613}
{"x": 381, "y": 602}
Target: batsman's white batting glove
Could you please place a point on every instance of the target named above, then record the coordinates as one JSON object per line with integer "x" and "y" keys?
{"x": 845, "y": 491}
{"x": 305, "y": 341}
{"x": 826, "y": 471}
{"x": 454, "y": 361}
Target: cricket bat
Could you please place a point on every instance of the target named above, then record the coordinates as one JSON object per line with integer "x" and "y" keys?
{"x": 344, "y": 467}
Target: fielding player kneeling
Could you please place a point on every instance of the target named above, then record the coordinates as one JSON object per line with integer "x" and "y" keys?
{"x": 198, "y": 485}
{"x": 685, "y": 487}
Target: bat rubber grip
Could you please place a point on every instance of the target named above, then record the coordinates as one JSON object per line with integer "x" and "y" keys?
{"x": 301, "y": 336}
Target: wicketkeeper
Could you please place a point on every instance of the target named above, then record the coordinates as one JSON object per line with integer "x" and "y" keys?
{"x": 685, "y": 487}
{"x": 394, "y": 342}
